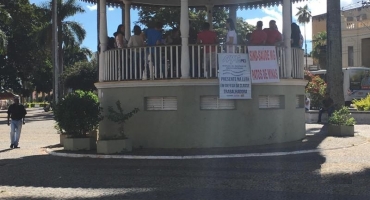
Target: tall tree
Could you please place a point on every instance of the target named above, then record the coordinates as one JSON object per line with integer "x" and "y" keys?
{"x": 21, "y": 56}
{"x": 68, "y": 31}
{"x": 334, "y": 52}
{"x": 304, "y": 17}
{"x": 81, "y": 76}
{"x": 73, "y": 53}
{"x": 319, "y": 48}
{"x": 171, "y": 19}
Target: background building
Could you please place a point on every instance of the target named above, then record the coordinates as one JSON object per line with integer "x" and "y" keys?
{"x": 355, "y": 34}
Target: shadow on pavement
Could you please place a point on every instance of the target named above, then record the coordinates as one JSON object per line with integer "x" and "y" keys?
{"x": 286, "y": 177}
{"x": 279, "y": 177}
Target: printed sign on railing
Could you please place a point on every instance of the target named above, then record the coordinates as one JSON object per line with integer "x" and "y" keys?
{"x": 263, "y": 62}
{"x": 234, "y": 76}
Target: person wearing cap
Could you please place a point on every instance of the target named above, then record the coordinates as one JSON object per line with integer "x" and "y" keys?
{"x": 258, "y": 36}
{"x": 328, "y": 106}
{"x": 17, "y": 113}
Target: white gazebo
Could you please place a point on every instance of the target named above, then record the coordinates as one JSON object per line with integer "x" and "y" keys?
{"x": 178, "y": 101}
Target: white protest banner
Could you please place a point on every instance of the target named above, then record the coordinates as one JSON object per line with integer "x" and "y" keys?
{"x": 234, "y": 76}
{"x": 263, "y": 62}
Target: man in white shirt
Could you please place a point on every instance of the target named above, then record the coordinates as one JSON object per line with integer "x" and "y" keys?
{"x": 307, "y": 104}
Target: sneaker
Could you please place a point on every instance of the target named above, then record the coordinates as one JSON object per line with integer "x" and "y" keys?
{"x": 16, "y": 147}
{"x": 11, "y": 146}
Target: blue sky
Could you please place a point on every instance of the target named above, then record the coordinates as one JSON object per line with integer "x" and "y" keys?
{"x": 89, "y": 19}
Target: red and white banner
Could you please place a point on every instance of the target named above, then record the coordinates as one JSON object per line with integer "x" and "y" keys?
{"x": 263, "y": 62}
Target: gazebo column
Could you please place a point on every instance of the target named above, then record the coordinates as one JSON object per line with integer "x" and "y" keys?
{"x": 232, "y": 13}
{"x": 127, "y": 19}
{"x": 103, "y": 36}
{"x": 184, "y": 28}
{"x": 210, "y": 15}
{"x": 123, "y": 13}
{"x": 287, "y": 21}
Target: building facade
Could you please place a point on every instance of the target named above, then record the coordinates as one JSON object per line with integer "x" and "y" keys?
{"x": 355, "y": 34}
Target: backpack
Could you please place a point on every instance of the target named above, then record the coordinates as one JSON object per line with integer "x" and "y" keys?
{"x": 111, "y": 43}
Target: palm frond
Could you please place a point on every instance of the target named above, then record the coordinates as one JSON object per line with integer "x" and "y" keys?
{"x": 76, "y": 29}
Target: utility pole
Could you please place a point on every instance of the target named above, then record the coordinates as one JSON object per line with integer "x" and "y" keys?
{"x": 55, "y": 52}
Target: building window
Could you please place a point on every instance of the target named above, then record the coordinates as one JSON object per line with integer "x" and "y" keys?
{"x": 271, "y": 101}
{"x": 161, "y": 103}
{"x": 349, "y": 19}
{"x": 214, "y": 103}
{"x": 350, "y": 56}
{"x": 300, "y": 101}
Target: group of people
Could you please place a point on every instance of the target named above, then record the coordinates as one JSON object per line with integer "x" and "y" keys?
{"x": 154, "y": 37}
{"x": 272, "y": 36}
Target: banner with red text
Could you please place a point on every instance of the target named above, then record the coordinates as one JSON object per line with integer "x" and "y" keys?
{"x": 263, "y": 62}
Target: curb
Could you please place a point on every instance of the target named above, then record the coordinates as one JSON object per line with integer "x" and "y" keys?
{"x": 246, "y": 155}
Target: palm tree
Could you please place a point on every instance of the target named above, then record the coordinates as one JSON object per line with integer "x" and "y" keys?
{"x": 334, "y": 52}
{"x": 68, "y": 31}
{"x": 304, "y": 17}
{"x": 73, "y": 53}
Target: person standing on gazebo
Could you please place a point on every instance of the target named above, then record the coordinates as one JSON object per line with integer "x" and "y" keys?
{"x": 153, "y": 37}
{"x": 231, "y": 37}
{"x": 258, "y": 36}
{"x": 17, "y": 113}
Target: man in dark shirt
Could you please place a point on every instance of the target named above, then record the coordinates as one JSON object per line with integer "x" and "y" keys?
{"x": 17, "y": 113}
{"x": 328, "y": 106}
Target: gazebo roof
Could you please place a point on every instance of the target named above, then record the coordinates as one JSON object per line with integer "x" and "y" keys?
{"x": 242, "y": 4}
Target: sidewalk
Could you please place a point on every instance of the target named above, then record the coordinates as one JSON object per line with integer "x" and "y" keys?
{"x": 315, "y": 141}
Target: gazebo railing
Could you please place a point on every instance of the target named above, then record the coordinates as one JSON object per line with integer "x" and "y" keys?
{"x": 164, "y": 62}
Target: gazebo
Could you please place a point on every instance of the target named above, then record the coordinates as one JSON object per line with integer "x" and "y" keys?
{"x": 179, "y": 101}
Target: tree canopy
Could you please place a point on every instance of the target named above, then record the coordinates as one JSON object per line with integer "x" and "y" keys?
{"x": 170, "y": 17}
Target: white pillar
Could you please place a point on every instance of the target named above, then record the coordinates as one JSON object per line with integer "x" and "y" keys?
{"x": 210, "y": 16}
{"x": 123, "y": 13}
{"x": 232, "y": 13}
{"x": 127, "y": 19}
{"x": 287, "y": 21}
{"x": 184, "y": 28}
{"x": 103, "y": 36}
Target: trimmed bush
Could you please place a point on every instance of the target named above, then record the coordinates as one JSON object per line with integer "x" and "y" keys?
{"x": 363, "y": 104}
{"x": 78, "y": 113}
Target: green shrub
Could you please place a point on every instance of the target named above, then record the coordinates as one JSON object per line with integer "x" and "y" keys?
{"x": 342, "y": 117}
{"x": 316, "y": 87}
{"x": 32, "y": 105}
{"x": 78, "y": 113}
{"x": 363, "y": 104}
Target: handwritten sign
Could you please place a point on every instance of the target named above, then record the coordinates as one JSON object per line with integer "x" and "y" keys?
{"x": 263, "y": 62}
{"x": 234, "y": 76}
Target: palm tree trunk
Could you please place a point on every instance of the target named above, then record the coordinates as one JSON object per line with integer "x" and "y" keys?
{"x": 60, "y": 53}
{"x": 305, "y": 44}
{"x": 334, "y": 52}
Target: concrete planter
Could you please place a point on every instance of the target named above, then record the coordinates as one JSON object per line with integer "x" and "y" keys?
{"x": 75, "y": 144}
{"x": 341, "y": 130}
{"x": 61, "y": 138}
{"x": 114, "y": 146}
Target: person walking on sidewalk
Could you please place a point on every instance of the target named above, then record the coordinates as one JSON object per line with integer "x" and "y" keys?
{"x": 17, "y": 113}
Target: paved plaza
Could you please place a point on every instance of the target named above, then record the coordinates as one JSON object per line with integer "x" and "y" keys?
{"x": 339, "y": 168}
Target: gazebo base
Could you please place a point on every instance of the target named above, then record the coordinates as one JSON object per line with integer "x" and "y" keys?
{"x": 188, "y": 114}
